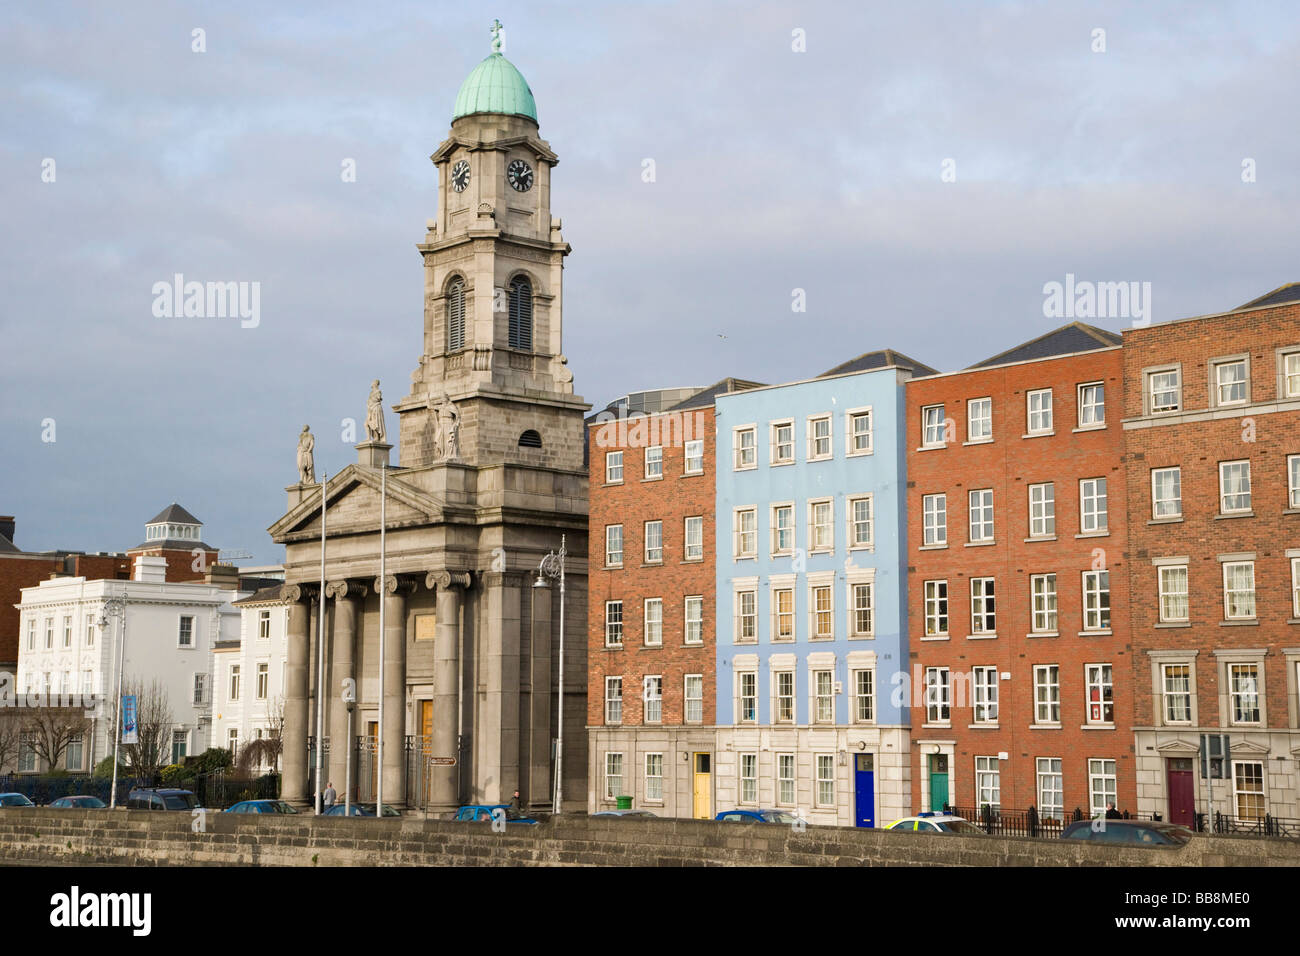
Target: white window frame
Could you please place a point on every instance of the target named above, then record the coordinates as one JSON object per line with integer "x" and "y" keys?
{"x": 1100, "y": 676}
{"x": 693, "y": 453}
{"x": 1293, "y": 481}
{"x": 776, "y": 445}
{"x": 1217, "y": 384}
{"x": 985, "y": 432}
{"x": 934, "y": 520}
{"x": 742, "y": 616}
{"x": 614, "y": 627}
{"x": 821, "y": 534}
{"x": 1096, "y": 409}
{"x": 787, "y": 780}
{"x": 864, "y": 695}
{"x": 610, "y": 553}
{"x": 1050, "y": 788}
{"x": 855, "y": 608}
{"x": 1224, "y": 494}
{"x": 694, "y": 702}
{"x": 984, "y": 694}
{"x": 1176, "y": 501}
{"x": 652, "y": 692}
{"x": 938, "y": 695}
{"x": 1254, "y": 795}
{"x": 744, "y": 542}
{"x": 825, "y": 783}
{"x": 654, "y": 456}
{"x": 1047, "y": 695}
{"x": 744, "y": 457}
{"x": 1254, "y": 692}
{"x": 815, "y": 591}
{"x": 1096, "y": 612}
{"x": 1288, "y": 370}
{"x": 822, "y": 696}
{"x": 693, "y": 541}
{"x": 613, "y": 701}
{"x": 1227, "y": 593}
{"x": 742, "y": 696}
{"x": 1093, "y": 506}
{"x": 264, "y": 625}
{"x": 1103, "y": 782}
{"x": 693, "y": 625}
{"x": 928, "y": 439}
{"x": 1044, "y": 524}
{"x": 779, "y": 617}
{"x": 1295, "y": 587}
{"x": 988, "y": 782}
{"x": 1168, "y": 694}
{"x": 851, "y": 507}
{"x": 748, "y": 764}
{"x": 813, "y": 438}
{"x": 791, "y": 529}
{"x": 653, "y": 529}
{"x": 654, "y": 777}
{"x": 982, "y": 620}
{"x": 784, "y": 697}
{"x": 1165, "y": 595}
{"x": 976, "y": 515}
{"x": 180, "y": 632}
{"x": 613, "y": 463}
{"x": 1042, "y": 414}
{"x": 613, "y": 771}
{"x": 653, "y": 618}
{"x": 1044, "y": 620}
{"x": 851, "y": 417}
{"x": 936, "y": 608}
{"x": 1149, "y": 389}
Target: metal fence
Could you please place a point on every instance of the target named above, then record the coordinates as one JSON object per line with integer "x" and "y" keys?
{"x": 220, "y": 789}
{"x": 41, "y": 790}
{"x": 416, "y": 751}
{"x": 999, "y": 821}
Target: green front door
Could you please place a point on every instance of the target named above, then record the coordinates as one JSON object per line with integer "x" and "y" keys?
{"x": 938, "y": 781}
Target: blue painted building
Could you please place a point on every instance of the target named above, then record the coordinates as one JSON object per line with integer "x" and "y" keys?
{"x": 811, "y": 603}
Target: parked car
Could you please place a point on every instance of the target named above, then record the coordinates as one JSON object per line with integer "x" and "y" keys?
{"x": 1128, "y": 832}
{"x": 261, "y": 806}
{"x": 625, "y": 813}
{"x": 161, "y": 798}
{"x": 932, "y": 822}
{"x": 358, "y": 810}
{"x": 758, "y": 816}
{"x": 78, "y": 803}
{"x": 477, "y": 813}
{"x": 14, "y": 800}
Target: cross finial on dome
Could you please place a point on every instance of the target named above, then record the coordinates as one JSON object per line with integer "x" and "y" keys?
{"x": 498, "y": 37}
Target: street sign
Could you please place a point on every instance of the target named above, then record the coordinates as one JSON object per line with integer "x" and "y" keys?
{"x": 442, "y": 761}
{"x": 1215, "y": 756}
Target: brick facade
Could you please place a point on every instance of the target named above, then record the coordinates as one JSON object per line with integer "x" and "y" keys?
{"x": 1198, "y": 642}
{"x": 1007, "y": 464}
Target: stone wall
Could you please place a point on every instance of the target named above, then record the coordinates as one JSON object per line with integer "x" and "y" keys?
{"x": 151, "y": 839}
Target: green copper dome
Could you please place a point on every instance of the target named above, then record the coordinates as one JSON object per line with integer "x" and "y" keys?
{"x": 495, "y": 86}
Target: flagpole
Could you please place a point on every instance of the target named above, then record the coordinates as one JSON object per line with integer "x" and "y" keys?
{"x": 383, "y": 589}
{"x": 320, "y": 649}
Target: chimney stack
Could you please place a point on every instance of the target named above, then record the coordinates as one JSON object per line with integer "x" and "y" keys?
{"x": 7, "y": 526}
{"x": 224, "y": 576}
{"x": 152, "y": 570}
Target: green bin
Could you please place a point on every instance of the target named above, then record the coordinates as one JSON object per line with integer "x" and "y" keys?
{"x": 624, "y": 803}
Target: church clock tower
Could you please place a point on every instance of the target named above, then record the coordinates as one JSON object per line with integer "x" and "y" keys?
{"x": 493, "y": 281}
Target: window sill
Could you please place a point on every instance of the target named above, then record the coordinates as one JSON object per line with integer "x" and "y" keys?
{"x": 860, "y": 454}
{"x": 659, "y": 478}
{"x": 1172, "y": 624}
{"x": 1104, "y": 632}
{"x": 613, "y": 647}
{"x": 980, "y": 544}
{"x": 745, "y": 468}
{"x": 937, "y": 637}
{"x": 1171, "y": 520}
{"x": 1293, "y": 620}
{"x": 982, "y": 727}
{"x": 778, "y": 464}
{"x": 699, "y": 560}
{"x": 862, "y": 637}
{"x": 745, "y": 557}
{"x": 1041, "y": 537}
{"x": 823, "y": 638}
{"x": 981, "y": 637}
{"x": 1235, "y": 514}
{"x": 946, "y": 725}
{"x": 1097, "y": 726}
{"x": 692, "y": 474}
{"x": 1291, "y": 511}
{"x": 1043, "y": 634}
{"x": 1088, "y": 428}
{"x": 1045, "y": 726}
{"x": 613, "y": 567}
{"x": 933, "y": 547}
{"x": 809, "y": 461}
{"x": 1093, "y": 534}
{"x": 978, "y": 441}
{"x": 611, "y": 484}
{"x": 652, "y": 564}
{"x": 1039, "y": 434}
{"x": 1254, "y": 623}
{"x": 864, "y": 548}
{"x": 931, "y": 448}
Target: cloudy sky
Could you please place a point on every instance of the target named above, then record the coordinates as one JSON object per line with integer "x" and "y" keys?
{"x": 776, "y": 170}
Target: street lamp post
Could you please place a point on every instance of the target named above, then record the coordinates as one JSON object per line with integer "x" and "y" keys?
{"x": 116, "y": 607}
{"x": 552, "y": 566}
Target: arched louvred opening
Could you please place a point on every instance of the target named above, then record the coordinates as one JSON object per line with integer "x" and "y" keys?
{"x": 456, "y": 316}
{"x": 521, "y": 314}
{"x": 530, "y": 439}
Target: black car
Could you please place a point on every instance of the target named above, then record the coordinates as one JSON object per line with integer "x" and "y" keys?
{"x": 160, "y": 798}
{"x": 1128, "y": 832}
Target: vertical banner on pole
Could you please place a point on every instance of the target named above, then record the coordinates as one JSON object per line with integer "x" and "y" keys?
{"x": 130, "y": 727}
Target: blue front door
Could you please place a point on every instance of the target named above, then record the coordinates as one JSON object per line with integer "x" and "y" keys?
{"x": 864, "y": 789}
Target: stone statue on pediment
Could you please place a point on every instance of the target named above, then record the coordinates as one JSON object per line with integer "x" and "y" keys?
{"x": 446, "y": 435}
{"x": 306, "y": 457}
{"x": 375, "y": 413}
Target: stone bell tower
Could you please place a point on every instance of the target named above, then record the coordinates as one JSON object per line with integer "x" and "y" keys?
{"x": 493, "y": 289}
{"x": 491, "y": 479}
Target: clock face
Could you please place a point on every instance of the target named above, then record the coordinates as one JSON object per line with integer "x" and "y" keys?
{"x": 520, "y": 175}
{"x": 460, "y": 176}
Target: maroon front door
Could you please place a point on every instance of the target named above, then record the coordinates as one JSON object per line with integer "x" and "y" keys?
{"x": 1182, "y": 792}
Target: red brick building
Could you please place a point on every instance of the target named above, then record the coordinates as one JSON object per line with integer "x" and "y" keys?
{"x": 1212, "y": 425}
{"x": 1021, "y": 676}
{"x": 176, "y": 535}
{"x": 651, "y": 582}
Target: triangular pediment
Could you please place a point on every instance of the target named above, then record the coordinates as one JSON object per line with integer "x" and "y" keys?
{"x": 352, "y": 506}
{"x": 1238, "y": 746}
{"x": 1179, "y": 747}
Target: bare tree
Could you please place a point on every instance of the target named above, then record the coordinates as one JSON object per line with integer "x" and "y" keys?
{"x": 154, "y": 723}
{"x": 49, "y": 730}
{"x": 265, "y": 750}
{"x": 11, "y": 732}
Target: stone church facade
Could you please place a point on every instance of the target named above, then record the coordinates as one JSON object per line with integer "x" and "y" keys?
{"x": 491, "y": 475}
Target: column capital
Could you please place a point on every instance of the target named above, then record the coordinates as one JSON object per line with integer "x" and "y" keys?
{"x": 308, "y": 593}
{"x": 393, "y": 585}
{"x": 443, "y": 580}
{"x": 346, "y": 589}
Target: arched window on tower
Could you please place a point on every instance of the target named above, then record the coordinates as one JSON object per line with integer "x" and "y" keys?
{"x": 521, "y": 314}
{"x": 456, "y": 316}
{"x": 530, "y": 439}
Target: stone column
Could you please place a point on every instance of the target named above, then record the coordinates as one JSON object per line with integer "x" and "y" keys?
{"x": 347, "y": 597}
{"x": 294, "y": 735}
{"x": 537, "y": 766}
{"x": 393, "y": 593}
{"x": 497, "y": 703}
{"x": 446, "y": 687}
